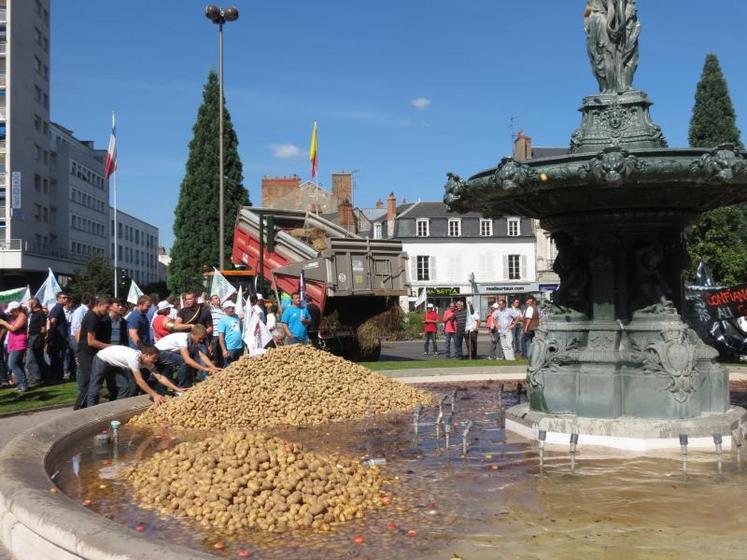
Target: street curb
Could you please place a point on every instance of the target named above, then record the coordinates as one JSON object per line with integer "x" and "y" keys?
{"x": 36, "y": 524}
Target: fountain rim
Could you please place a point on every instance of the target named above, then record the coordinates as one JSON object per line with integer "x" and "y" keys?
{"x": 31, "y": 516}
{"x": 583, "y": 157}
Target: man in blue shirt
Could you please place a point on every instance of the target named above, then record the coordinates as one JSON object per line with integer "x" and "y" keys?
{"x": 138, "y": 327}
{"x": 231, "y": 345}
{"x": 295, "y": 321}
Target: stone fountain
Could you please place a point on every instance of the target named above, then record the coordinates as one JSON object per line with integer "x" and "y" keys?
{"x": 613, "y": 359}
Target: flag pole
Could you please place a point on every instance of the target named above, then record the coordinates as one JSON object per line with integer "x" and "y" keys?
{"x": 116, "y": 224}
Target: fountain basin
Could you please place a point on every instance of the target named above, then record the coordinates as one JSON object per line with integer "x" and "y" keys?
{"x": 37, "y": 524}
{"x": 529, "y": 512}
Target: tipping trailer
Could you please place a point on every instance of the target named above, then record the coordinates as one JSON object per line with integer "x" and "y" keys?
{"x": 350, "y": 278}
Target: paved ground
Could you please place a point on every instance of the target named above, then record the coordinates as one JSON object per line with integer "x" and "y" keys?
{"x": 413, "y": 350}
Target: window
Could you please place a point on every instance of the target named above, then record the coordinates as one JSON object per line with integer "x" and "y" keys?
{"x": 514, "y": 267}
{"x": 45, "y": 44}
{"x": 455, "y": 227}
{"x": 45, "y": 182}
{"x": 377, "y": 231}
{"x": 37, "y": 183}
{"x": 514, "y": 227}
{"x": 37, "y": 94}
{"x": 37, "y": 36}
{"x": 423, "y": 268}
{"x": 37, "y": 123}
{"x": 45, "y": 215}
{"x": 422, "y": 227}
{"x": 37, "y": 65}
{"x": 46, "y": 101}
{"x": 37, "y": 212}
{"x": 486, "y": 228}
{"x": 37, "y": 153}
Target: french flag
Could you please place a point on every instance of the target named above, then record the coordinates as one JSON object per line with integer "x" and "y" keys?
{"x": 111, "y": 153}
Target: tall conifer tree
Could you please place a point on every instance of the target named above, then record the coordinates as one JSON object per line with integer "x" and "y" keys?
{"x": 720, "y": 238}
{"x": 196, "y": 220}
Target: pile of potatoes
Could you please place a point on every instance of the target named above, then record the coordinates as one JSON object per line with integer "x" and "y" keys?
{"x": 240, "y": 480}
{"x": 291, "y": 385}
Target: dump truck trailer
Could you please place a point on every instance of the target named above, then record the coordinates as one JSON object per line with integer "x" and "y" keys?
{"x": 350, "y": 278}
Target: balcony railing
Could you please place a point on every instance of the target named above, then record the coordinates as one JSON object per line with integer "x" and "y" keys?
{"x": 3, "y": 113}
{"x": 12, "y": 245}
{"x": 3, "y": 47}
{"x": 49, "y": 250}
{"x": 4, "y": 15}
{"x": 2, "y": 80}
{"x": 3, "y": 179}
{"x": 2, "y": 145}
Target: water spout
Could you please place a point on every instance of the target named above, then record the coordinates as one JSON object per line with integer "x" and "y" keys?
{"x": 416, "y": 419}
{"x": 448, "y": 426}
{"x": 737, "y": 437}
{"x": 439, "y": 419}
{"x": 574, "y": 444}
{"x": 465, "y": 434}
{"x": 453, "y": 399}
{"x": 683, "y": 446}
{"x": 542, "y": 438}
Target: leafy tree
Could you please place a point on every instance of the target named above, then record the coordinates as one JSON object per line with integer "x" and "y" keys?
{"x": 196, "y": 223}
{"x": 720, "y": 238}
{"x": 96, "y": 278}
{"x": 719, "y": 241}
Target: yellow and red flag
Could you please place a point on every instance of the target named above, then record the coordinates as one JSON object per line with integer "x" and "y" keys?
{"x": 313, "y": 152}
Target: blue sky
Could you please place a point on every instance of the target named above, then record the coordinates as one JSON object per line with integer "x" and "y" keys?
{"x": 404, "y": 90}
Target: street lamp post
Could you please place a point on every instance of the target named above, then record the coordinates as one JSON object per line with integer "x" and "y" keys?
{"x": 220, "y": 16}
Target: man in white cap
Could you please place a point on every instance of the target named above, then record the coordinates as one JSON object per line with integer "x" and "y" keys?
{"x": 229, "y": 334}
{"x": 430, "y": 328}
{"x": 496, "y": 351}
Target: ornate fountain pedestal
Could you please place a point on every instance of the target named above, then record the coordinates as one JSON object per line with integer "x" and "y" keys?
{"x": 613, "y": 360}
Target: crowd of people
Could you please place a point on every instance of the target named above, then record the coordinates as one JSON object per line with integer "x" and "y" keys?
{"x": 152, "y": 346}
{"x": 512, "y": 329}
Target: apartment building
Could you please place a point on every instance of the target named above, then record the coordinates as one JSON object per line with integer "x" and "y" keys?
{"x": 27, "y": 195}
{"x": 137, "y": 247}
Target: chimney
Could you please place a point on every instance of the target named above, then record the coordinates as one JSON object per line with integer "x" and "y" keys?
{"x": 379, "y": 204}
{"x": 522, "y": 147}
{"x": 275, "y": 189}
{"x": 345, "y": 216}
{"x": 391, "y": 207}
{"x": 342, "y": 187}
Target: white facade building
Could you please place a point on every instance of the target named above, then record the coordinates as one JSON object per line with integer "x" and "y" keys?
{"x": 137, "y": 247}
{"x": 82, "y": 210}
{"x": 456, "y": 256}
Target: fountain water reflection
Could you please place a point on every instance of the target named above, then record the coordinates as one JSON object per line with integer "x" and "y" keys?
{"x": 495, "y": 502}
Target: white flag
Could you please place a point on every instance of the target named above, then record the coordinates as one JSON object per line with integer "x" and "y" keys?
{"x": 422, "y": 298}
{"x": 256, "y": 336}
{"x": 240, "y": 303}
{"x": 47, "y": 294}
{"x": 134, "y": 293}
{"x": 220, "y": 286}
{"x": 26, "y": 297}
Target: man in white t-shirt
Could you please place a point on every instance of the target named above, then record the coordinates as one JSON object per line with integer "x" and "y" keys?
{"x": 504, "y": 321}
{"x": 180, "y": 353}
{"x": 125, "y": 364}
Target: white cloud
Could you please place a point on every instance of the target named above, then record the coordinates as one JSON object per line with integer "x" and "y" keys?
{"x": 286, "y": 151}
{"x": 421, "y": 103}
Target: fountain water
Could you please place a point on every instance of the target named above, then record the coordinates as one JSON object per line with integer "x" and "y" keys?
{"x": 613, "y": 355}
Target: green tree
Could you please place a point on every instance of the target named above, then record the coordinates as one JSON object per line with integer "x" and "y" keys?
{"x": 714, "y": 120}
{"x": 720, "y": 238}
{"x": 96, "y": 278}
{"x": 719, "y": 241}
{"x": 196, "y": 222}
